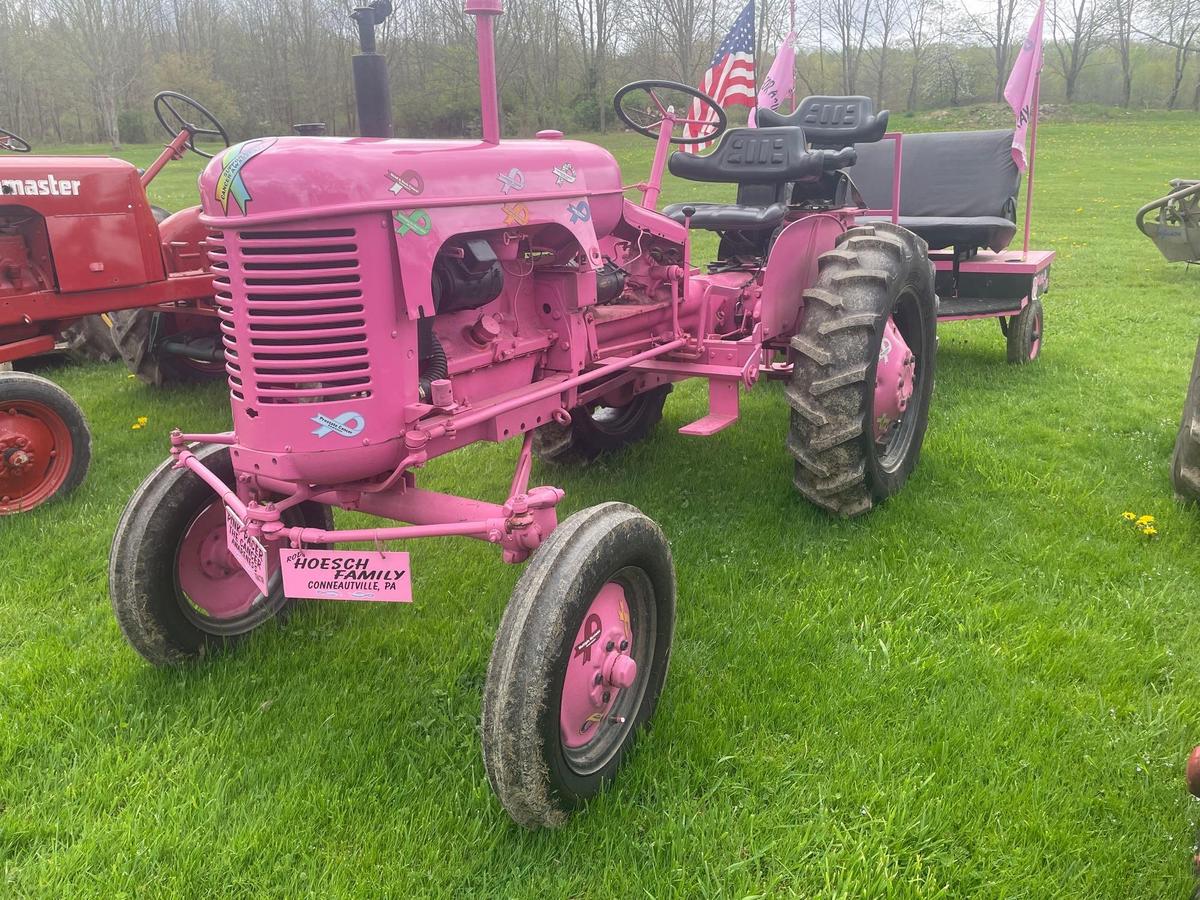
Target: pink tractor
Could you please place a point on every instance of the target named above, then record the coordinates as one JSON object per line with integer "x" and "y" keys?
{"x": 384, "y": 302}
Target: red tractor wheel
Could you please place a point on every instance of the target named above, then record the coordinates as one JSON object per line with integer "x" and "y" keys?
{"x": 1193, "y": 772}
{"x": 140, "y": 336}
{"x": 45, "y": 444}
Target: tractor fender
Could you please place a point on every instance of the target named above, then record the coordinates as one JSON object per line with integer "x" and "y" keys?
{"x": 792, "y": 268}
{"x": 182, "y": 236}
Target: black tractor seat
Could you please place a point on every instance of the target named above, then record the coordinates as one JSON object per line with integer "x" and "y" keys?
{"x": 958, "y": 189}
{"x": 763, "y": 163}
{"x": 831, "y": 123}
{"x": 729, "y": 216}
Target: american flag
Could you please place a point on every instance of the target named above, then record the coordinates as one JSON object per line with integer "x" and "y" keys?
{"x": 730, "y": 76}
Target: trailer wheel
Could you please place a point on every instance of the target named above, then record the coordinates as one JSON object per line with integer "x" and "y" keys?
{"x": 578, "y": 663}
{"x": 45, "y": 443}
{"x": 1185, "y": 461}
{"x": 597, "y": 430}
{"x": 1024, "y": 333}
{"x": 177, "y": 592}
{"x": 863, "y": 369}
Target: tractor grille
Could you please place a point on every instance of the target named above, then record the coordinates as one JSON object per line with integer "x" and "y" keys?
{"x": 298, "y": 330}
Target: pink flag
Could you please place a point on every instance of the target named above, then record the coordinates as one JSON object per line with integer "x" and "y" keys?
{"x": 780, "y": 81}
{"x": 1022, "y": 84}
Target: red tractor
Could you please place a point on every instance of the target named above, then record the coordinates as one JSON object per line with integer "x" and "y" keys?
{"x": 78, "y": 237}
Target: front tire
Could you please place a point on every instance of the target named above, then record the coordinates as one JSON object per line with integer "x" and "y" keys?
{"x": 578, "y": 663}
{"x": 45, "y": 442}
{"x": 175, "y": 590}
{"x": 863, "y": 369}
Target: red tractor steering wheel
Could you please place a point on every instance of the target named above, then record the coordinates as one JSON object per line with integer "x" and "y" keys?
{"x": 165, "y": 109}
{"x": 645, "y": 105}
{"x": 9, "y": 141}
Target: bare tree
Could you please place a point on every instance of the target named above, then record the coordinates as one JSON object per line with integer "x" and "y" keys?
{"x": 888, "y": 19}
{"x": 847, "y": 23}
{"x": 995, "y": 29}
{"x": 1174, "y": 23}
{"x": 1077, "y": 29}
{"x": 1120, "y": 15}
{"x": 915, "y": 23}
{"x": 108, "y": 36}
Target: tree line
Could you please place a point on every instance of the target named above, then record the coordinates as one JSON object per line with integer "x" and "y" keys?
{"x": 86, "y": 70}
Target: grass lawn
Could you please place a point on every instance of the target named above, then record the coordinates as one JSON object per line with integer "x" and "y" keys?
{"x": 985, "y": 688}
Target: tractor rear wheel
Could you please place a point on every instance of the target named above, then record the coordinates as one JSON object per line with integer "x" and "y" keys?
{"x": 595, "y": 430}
{"x": 45, "y": 443}
{"x": 1185, "y": 461}
{"x": 863, "y": 362}
{"x": 579, "y": 661}
{"x": 139, "y": 336}
{"x": 177, "y": 592}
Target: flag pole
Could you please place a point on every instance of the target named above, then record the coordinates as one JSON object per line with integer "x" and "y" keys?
{"x": 1037, "y": 96}
{"x": 792, "y": 31}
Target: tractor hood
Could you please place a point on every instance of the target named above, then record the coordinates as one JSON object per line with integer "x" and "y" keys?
{"x": 285, "y": 178}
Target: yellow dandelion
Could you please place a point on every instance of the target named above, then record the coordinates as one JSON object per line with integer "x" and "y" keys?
{"x": 1149, "y": 531}
{"x": 142, "y": 420}
{"x": 1143, "y": 521}
{"x": 135, "y": 426}
{"x": 1129, "y": 517}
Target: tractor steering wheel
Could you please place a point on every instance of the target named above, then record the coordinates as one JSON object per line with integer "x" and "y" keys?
{"x": 645, "y": 105}
{"x": 164, "y": 109}
{"x": 9, "y": 141}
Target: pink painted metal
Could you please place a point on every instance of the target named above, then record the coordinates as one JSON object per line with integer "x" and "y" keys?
{"x": 897, "y": 160}
{"x": 894, "y": 379}
{"x": 1033, "y": 128}
{"x": 485, "y": 12}
{"x": 599, "y": 668}
{"x": 345, "y": 259}
{"x": 208, "y": 574}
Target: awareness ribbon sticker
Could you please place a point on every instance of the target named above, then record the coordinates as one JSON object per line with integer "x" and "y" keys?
{"x": 415, "y": 220}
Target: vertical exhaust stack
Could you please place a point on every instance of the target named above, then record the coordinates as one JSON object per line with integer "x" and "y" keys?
{"x": 485, "y": 12}
{"x": 372, "y": 93}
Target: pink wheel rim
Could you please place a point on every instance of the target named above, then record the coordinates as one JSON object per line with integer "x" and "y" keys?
{"x": 1035, "y": 343}
{"x": 212, "y": 580}
{"x": 895, "y": 376}
{"x": 599, "y": 669}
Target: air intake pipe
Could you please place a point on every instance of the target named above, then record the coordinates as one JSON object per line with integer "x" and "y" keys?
{"x": 372, "y": 92}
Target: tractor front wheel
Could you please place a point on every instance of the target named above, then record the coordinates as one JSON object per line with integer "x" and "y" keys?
{"x": 596, "y": 429}
{"x": 862, "y": 374}
{"x": 1185, "y": 461}
{"x": 45, "y": 444}
{"x": 578, "y": 663}
{"x": 177, "y": 592}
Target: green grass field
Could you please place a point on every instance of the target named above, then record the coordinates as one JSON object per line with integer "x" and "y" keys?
{"x": 985, "y": 688}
